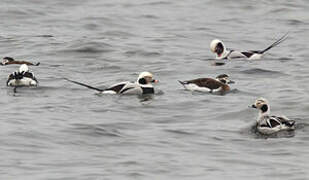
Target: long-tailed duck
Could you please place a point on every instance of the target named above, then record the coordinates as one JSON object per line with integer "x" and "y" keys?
{"x": 143, "y": 85}
{"x": 217, "y": 47}
{"x": 22, "y": 77}
{"x": 220, "y": 84}
{"x": 10, "y": 60}
{"x": 267, "y": 124}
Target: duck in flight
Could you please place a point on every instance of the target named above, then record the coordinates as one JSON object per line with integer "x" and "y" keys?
{"x": 217, "y": 47}
{"x": 142, "y": 86}
{"x": 10, "y": 60}
{"x": 268, "y": 124}
{"x": 220, "y": 84}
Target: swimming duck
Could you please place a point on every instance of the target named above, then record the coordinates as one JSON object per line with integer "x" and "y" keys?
{"x": 217, "y": 47}
{"x": 22, "y": 77}
{"x": 267, "y": 124}
{"x": 143, "y": 85}
{"x": 10, "y": 60}
{"x": 220, "y": 84}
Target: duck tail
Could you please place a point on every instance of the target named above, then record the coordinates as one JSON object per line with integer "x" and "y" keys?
{"x": 284, "y": 37}
{"x": 85, "y": 85}
{"x": 182, "y": 82}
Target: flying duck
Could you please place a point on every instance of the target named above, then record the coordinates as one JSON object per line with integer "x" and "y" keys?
{"x": 10, "y": 60}
{"x": 22, "y": 77}
{"x": 143, "y": 85}
{"x": 217, "y": 47}
{"x": 267, "y": 124}
{"x": 220, "y": 84}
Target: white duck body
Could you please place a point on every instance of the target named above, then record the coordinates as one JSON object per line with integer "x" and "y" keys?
{"x": 267, "y": 124}
{"x": 129, "y": 88}
{"x": 22, "y": 82}
{"x": 23, "y": 77}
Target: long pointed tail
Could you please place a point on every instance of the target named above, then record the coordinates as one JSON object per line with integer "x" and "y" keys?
{"x": 85, "y": 85}
{"x": 284, "y": 37}
{"x": 181, "y": 82}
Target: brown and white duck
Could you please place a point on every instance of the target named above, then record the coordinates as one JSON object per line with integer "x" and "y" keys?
{"x": 10, "y": 60}
{"x": 220, "y": 84}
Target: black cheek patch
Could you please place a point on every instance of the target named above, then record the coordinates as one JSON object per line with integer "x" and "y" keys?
{"x": 223, "y": 81}
{"x": 142, "y": 81}
{"x": 219, "y": 48}
{"x": 264, "y": 108}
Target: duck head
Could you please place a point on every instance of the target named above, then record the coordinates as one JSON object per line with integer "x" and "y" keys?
{"x": 23, "y": 68}
{"x": 6, "y": 60}
{"x": 224, "y": 78}
{"x": 262, "y": 105}
{"x": 146, "y": 78}
{"x": 217, "y": 47}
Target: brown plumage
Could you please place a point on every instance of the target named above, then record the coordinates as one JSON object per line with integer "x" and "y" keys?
{"x": 10, "y": 60}
{"x": 20, "y": 62}
{"x": 209, "y": 83}
{"x": 220, "y": 84}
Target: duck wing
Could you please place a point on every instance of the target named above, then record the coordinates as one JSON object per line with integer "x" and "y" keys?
{"x": 285, "y": 121}
{"x": 117, "y": 87}
{"x": 273, "y": 121}
{"x": 131, "y": 88}
{"x": 248, "y": 54}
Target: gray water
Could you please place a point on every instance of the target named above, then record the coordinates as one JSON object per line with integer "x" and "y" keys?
{"x": 64, "y": 131}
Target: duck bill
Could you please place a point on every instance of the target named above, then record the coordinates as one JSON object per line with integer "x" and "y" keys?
{"x": 231, "y": 82}
{"x": 154, "y": 81}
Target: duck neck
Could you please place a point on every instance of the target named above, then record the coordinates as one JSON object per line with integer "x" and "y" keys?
{"x": 264, "y": 111}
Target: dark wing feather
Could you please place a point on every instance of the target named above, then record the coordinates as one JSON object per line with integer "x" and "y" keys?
{"x": 30, "y": 75}
{"x": 286, "y": 121}
{"x": 117, "y": 88}
{"x": 248, "y": 54}
{"x": 274, "y": 123}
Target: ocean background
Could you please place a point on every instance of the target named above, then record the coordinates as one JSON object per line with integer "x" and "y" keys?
{"x": 64, "y": 131}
